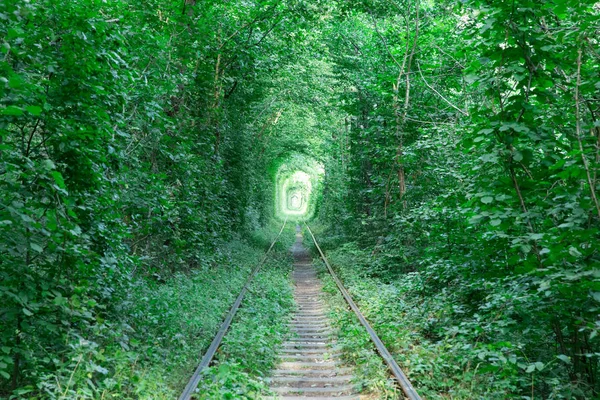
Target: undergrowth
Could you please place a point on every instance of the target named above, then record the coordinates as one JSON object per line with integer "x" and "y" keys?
{"x": 250, "y": 349}
{"x": 167, "y": 324}
{"x": 445, "y": 348}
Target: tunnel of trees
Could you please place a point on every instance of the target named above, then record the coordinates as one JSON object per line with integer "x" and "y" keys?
{"x": 447, "y": 153}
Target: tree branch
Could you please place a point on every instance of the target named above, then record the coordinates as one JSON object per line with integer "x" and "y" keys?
{"x": 439, "y": 94}
{"x": 384, "y": 42}
{"x": 578, "y": 133}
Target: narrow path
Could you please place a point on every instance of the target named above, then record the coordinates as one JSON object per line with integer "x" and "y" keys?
{"x": 310, "y": 366}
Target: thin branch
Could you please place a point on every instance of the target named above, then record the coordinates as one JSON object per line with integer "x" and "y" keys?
{"x": 232, "y": 60}
{"x": 264, "y": 110}
{"x": 449, "y": 55}
{"x": 578, "y": 128}
{"x": 356, "y": 48}
{"x": 31, "y": 137}
{"x": 384, "y": 42}
{"x": 410, "y": 58}
{"x": 429, "y": 122}
{"x": 259, "y": 18}
{"x": 268, "y": 31}
{"x": 439, "y": 94}
{"x": 43, "y": 142}
{"x": 231, "y": 90}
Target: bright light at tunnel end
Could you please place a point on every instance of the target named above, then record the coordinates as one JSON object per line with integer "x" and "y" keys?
{"x": 297, "y": 185}
{"x": 296, "y": 194}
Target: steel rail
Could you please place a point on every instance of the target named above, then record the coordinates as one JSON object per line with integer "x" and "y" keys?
{"x": 212, "y": 349}
{"x": 402, "y": 379}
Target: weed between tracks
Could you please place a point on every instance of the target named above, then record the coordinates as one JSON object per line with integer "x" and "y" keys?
{"x": 250, "y": 348}
{"x": 370, "y": 372}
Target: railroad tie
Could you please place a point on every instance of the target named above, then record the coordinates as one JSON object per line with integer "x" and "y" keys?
{"x": 310, "y": 367}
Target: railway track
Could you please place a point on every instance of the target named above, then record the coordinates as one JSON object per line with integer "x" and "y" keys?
{"x": 190, "y": 388}
{"x": 310, "y": 366}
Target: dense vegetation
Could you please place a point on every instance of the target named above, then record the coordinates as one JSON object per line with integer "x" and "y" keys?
{"x": 468, "y": 163}
{"x": 141, "y": 146}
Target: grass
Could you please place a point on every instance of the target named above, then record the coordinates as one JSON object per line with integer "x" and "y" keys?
{"x": 167, "y": 325}
{"x": 250, "y": 349}
{"x": 371, "y": 376}
{"x": 447, "y": 367}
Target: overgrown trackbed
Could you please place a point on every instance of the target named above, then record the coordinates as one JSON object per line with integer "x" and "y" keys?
{"x": 309, "y": 361}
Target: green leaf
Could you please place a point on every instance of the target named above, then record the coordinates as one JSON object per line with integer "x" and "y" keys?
{"x": 75, "y": 301}
{"x": 27, "y": 312}
{"x": 4, "y": 374}
{"x": 36, "y": 247}
{"x": 470, "y": 78}
{"x": 518, "y": 156}
{"x": 566, "y": 225}
{"x": 59, "y": 300}
{"x": 487, "y": 199}
{"x": 564, "y": 358}
{"x": 525, "y": 248}
{"x": 14, "y": 33}
{"x": 495, "y": 222}
{"x": 539, "y": 366}
{"x": 574, "y": 252}
{"x": 12, "y": 110}
{"x": 15, "y": 82}
{"x": 58, "y": 178}
{"x": 34, "y": 110}
{"x": 530, "y": 368}
{"x": 490, "y": 157}
{"x": 560, "y": 10}
{"x": 100, "y": 369}
{"x": 48, "y": 164}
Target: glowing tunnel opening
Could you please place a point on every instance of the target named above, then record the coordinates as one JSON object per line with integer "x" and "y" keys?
{"x": 298, "y": 187}
{"x": 296, "y": 194}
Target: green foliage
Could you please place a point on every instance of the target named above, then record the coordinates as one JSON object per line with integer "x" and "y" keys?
{"x": 287, "y": 182}
{"x": 123, "y": 165}
{"x": 445, "y": 344}
{"x": 467, "y": 176}
{"x": 460, "y": 147}
{"x": 250, "y": 350}
{"x": 150, "y": 351}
